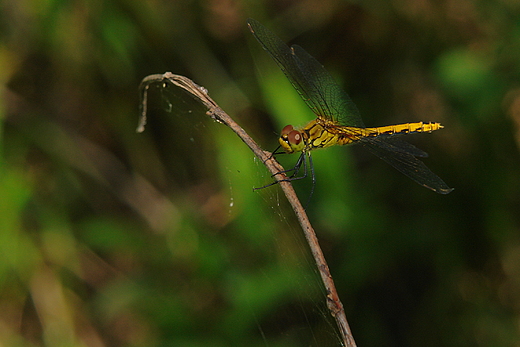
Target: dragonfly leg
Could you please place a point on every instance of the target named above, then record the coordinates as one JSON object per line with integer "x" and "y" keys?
{"x": 275, "y": 152}
{"x": 294, "y": 176}
{"x": 302, "y": 160}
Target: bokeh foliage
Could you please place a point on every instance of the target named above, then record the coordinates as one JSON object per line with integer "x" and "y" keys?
{"x": 112, "y": 238}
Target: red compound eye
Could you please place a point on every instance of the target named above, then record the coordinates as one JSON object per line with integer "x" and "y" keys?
{"x": 295, "y": 137}
{"x": 286, "y": 130}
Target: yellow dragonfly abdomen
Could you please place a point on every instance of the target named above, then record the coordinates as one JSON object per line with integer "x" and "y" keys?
{"x": 322, "y": 133}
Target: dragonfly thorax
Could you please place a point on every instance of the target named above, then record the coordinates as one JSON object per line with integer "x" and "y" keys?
{"x": 291, "y": 139}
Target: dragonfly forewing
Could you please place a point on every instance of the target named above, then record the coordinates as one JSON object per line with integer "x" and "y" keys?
{"x": 310, "y": 79}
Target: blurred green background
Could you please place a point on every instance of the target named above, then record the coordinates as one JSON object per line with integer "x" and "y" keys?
{"x": 112, "y": 238}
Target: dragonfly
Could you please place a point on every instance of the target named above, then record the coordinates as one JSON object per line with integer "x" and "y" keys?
{"x": 338, "y": 121}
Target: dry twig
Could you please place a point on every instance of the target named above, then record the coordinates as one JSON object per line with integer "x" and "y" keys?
{"x": 214, "y": 111}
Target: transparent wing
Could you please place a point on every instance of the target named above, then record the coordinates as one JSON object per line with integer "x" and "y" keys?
{"x": 336, "y": 104}
{"x": 314, "y": 84}
{"x": 402, "y": 156}
{"x": 395, "y": 144}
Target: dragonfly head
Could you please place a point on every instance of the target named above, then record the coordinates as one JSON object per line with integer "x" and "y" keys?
{"x": 291, "y": 139}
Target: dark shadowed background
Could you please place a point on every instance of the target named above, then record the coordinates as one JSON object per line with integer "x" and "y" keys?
{"x": 113, "y": 238}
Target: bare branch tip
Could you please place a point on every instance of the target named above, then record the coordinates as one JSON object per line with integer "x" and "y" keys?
{"x": 141, "y": 125}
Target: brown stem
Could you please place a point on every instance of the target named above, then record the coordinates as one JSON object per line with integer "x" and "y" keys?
{"x": 214, "y": 111}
